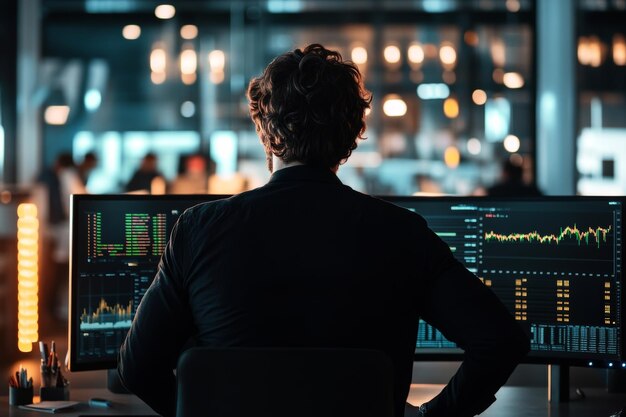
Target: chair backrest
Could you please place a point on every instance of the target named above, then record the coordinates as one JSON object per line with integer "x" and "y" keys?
{"x": 284, "y": 383}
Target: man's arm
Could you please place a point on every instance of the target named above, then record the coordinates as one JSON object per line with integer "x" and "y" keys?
{"x": 458, "y": 304}
{"x": 160, "y": 329}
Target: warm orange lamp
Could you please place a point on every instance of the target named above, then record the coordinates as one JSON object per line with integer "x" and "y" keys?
{"x": 27, "y": 276}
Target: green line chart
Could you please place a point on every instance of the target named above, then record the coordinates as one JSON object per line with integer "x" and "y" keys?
{"x": 596, "y": 236}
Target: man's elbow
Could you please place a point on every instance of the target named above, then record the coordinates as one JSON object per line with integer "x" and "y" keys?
{"x": 127, "y": 376}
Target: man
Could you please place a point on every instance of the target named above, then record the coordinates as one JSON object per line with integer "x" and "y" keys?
{"x": 85, "y": 168}
{"x": 305, "y": 261}
{"x": 147, "y": 171}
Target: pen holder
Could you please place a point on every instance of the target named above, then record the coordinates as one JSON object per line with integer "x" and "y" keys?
{"x": 55, "y": 393}
{"x": 20, "y": 396}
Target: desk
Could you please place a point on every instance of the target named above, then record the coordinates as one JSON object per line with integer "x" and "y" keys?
{"x": 533, "y": 402}
{"x": 512, "y": 401}
{"x": 122, "y": 404}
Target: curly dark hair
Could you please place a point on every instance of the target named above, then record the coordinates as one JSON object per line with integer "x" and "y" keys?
{"x": 309, "y": 106}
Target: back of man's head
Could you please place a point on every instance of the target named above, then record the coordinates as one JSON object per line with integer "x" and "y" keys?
{"x": 309, "y": 106}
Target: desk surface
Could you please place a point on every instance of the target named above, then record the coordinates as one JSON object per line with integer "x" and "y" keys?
{"x": 512, "y": 401}
{"x": 122, "y": 404}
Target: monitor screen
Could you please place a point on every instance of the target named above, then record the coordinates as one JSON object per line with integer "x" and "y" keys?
{"x": 555, "y": 262}
{"x": 116, "y": 245}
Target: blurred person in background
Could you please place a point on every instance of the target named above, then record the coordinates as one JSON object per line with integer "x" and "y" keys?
{"x": 142, "y": 179}
{"x": 57, "y": 184}
{"x": 195, "y": 177}
{"x": 90, "y": 161}
{"x": 512, "y": 183}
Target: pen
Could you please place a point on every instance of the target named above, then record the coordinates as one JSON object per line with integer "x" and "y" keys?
{"x": 23, "y": 378}
{"x": 45, "y": 373}
{"x": 53, "y": 356}
{"x": 43, "y": 350}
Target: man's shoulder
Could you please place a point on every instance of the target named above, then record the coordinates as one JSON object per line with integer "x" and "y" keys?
{"x": 204, "y": 211}
{"x": 380, "y": 204}
{"x": 219, "y": 206}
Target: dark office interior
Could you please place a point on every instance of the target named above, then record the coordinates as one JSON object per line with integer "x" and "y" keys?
{"x": 501, "y": 122}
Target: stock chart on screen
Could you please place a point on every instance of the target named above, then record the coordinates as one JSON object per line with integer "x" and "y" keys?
{"x": 556, "y": 263}
{"x": 117, "y": 242}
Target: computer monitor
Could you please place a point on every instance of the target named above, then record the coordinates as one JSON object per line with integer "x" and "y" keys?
{"x": 555, "y": 262}
{"x": 116, "y": 244}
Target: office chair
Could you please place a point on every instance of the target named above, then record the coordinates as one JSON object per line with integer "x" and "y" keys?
{"x": 270, "y": 382}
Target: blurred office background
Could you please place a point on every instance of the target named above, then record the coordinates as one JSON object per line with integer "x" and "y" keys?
{"x": 459, "y": 86}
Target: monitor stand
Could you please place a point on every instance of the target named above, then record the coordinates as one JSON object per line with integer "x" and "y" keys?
{"x": 558, "y": 383}
{"x": 616, "y": 381}
{"x": 114, "y": 383}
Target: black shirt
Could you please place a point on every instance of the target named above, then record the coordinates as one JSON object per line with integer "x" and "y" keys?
{"x": 305, "y": 261}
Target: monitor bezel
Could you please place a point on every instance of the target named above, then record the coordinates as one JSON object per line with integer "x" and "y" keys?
{"x": 76, "y": 199}
{"x": 452, "y": 354}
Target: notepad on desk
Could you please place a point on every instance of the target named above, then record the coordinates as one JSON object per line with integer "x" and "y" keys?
{"x": 49, "y": 406}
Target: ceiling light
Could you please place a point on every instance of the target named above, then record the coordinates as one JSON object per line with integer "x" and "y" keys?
{"x": 433, "y": 91}
{"x": 188, "y": 109}
{"x": 513, "y": 80}
{"x": 359, "y": 55}
{"x": 513, "y": 6}
{"x": 165, "y": 11}
{"x": 447, "y": 55}
{"x": 474, "y": 146}
{"x": 452, "y": 157}
{"x": 619, "y": 50}
{"x": 92, "y": 99}
{"x": 394, "y": 106}
{"x": 392, "y": 54}
{"x": 158, "y": 60}
{"x": 416, "y": 53}
{"x": 188, "y": 61}
{"x": 511, "y": 143}
{"x": 56, "y": 115}
{"x": 596, "y": 51}
{"x": 131, "y": 32}
{"x": 217, "y": 60}
{"x": 479, "y": 97}
{"x": 189, "y": 32}
{"x": 451, "y": 108}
